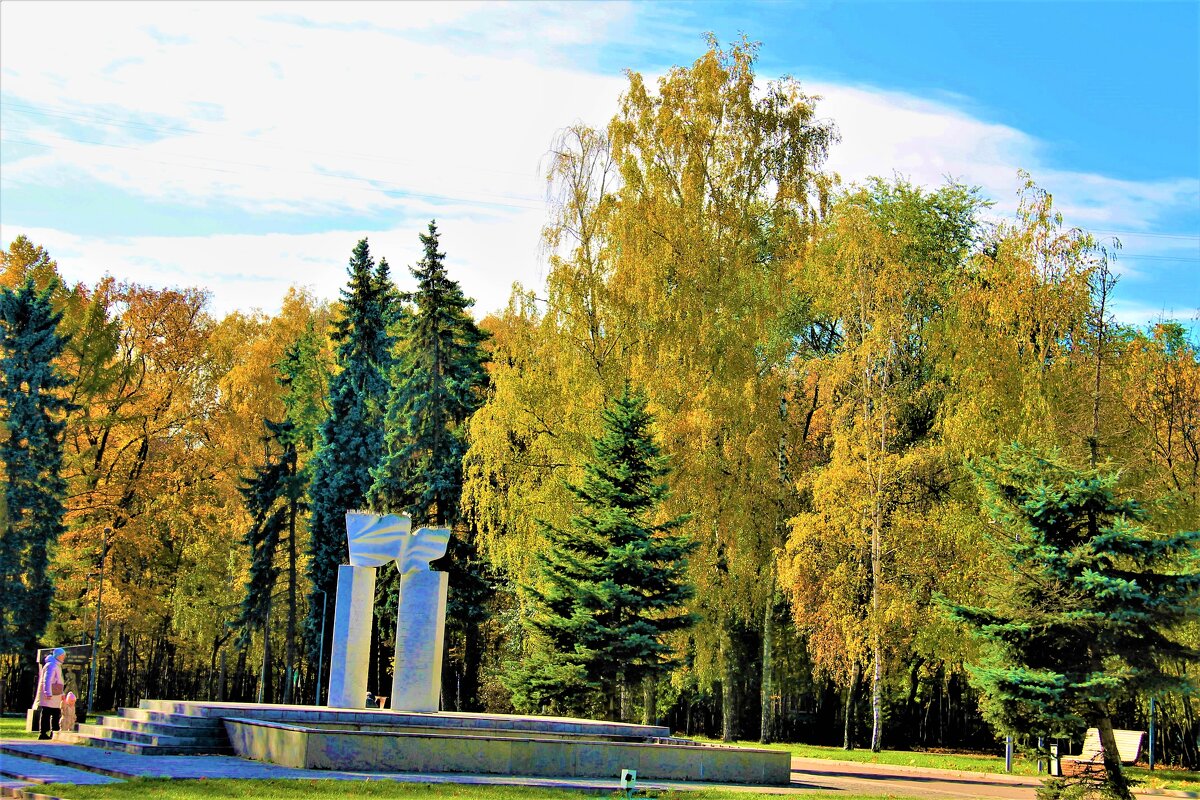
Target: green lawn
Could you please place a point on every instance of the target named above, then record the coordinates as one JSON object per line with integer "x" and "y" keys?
{"x": 160, "y": 789}
{"x": 13, "y": 727}
{"x": 1166, "y": 778}
{"x": 961, "y": 762}
{"x": 1160, "y": 778}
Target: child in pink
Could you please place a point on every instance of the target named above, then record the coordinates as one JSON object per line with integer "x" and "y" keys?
{"x": 68, "y": 713}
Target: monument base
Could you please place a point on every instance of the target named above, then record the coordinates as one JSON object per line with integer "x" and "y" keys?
{"x": 379, "y": 740}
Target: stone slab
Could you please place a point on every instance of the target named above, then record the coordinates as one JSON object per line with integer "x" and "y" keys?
{"x": 377, "y": 748}
{"x": 351, "y": 651}
{"x": 420, "y": 639}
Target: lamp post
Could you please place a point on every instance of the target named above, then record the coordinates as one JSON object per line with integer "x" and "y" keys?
{"x": 321, "y": 657}
{"x": 87, "y": 590}
{"x": 96, "y": 635}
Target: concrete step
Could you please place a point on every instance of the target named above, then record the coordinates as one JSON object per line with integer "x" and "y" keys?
{"x": 140, "y": 737}
{"x": 208, "y": 734}
{"x": 142, "y": 749}
{"x": 196, "y": 722}
{"x": 35, "y": 771}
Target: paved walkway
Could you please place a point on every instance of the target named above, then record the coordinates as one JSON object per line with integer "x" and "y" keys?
{"x": 35, "y": 762}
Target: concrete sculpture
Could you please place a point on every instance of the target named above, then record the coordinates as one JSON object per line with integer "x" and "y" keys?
{"x": 375, "y": 541}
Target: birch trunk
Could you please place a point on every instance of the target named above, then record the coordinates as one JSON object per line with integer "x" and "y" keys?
{"x": 851, "y": 691}
{"x": 767, "y": 692}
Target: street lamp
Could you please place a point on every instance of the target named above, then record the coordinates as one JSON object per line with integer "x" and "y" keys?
{"x": 87, "y": 590}
{"x": 321, "y": 657}
{"x": 96, "y": 636}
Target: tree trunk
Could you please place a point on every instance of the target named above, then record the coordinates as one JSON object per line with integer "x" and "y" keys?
{"x": 290, "y": 643}
{"x": 1115, "y": 782}
{"x": 264, "y": 678}
{"x": 649, "y": 701}
{"x": 851, "y": 690}
{"x": 728, "y": 704}
{"x": 767, "y": 693}
{"x": 876, "y": 636}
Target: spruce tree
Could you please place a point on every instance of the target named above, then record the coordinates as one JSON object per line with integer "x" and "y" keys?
{"x": 31, "y": 456}
{"x": 273, "y": 497}
{"x": 437, "y": 383}
{"x": 351, "y": 437}
{"x": 1080, "y": 615}
{"x": 612, "y": 585}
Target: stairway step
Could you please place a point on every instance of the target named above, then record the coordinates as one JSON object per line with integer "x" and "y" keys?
{"x": 139, "y": 737}
{"x": 35, "y": 771}
{"x": 215, "y": 735}
{"x": 144, "y": 749}
{"x": 167, "y": 718}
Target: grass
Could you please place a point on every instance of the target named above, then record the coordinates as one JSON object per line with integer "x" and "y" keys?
{"x": 1159, "y": 778}
{"x": 13, "y": 727}
{"x": 960, "y": 762}
{"x": 165, "y": 789}
{"x": 1166, "y": 778}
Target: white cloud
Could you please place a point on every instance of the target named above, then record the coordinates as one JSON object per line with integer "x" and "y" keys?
{"x": 480, "y": 252}
{"x": 406, "y": 111}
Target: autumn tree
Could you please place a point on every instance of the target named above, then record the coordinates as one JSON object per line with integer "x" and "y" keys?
{"x": 720, "y": 186}
{"x": 882, "y": 272}
{"x": 351, "y": 438}
{"x": 273, "y": 496}
{"x": 1085, "y": 606}
{"x": 612, "y": 586}
{"x": 31, "y": 457}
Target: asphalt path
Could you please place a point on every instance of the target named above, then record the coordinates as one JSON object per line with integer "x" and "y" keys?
{"x": 36, "y": 761}
{"x": 818, "y": 774}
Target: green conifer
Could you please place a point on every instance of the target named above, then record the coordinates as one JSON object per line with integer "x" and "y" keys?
{"x": 31, "y": 455}
{"x": 1081, "y": 614}
{"x": 351, "y": 438}
{"x": 613, "y": 584}
{"x": 437, "y": 383}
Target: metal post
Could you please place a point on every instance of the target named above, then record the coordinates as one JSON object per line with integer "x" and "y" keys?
{"x": 1150, "y": 751}
{"x": 321, "y": 657}
{"x": 96, "y": 635}
{"x": 1041, "y": 746}
{"x": 1008, "y": 753}
{"x": 87, "y": 590}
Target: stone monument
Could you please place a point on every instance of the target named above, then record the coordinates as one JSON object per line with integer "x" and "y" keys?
{"x": 375, "y": 541}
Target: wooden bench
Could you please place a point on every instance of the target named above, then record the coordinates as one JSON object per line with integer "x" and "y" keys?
{"x": 1091, "y": 758}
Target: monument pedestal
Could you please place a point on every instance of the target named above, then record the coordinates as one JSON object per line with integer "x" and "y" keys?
{"x": 351, "y": 653}
{"x": 417, "y": 680}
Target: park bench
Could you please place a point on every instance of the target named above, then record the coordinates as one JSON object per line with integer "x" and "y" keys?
{"x": 1091, "y": 757}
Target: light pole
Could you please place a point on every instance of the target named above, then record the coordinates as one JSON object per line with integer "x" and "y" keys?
{"x": 321, "y": 657}
{"x": 96, "y": 636}
{"x": 87, "y": 590}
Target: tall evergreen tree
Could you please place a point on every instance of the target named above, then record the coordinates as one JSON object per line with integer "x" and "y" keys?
{"x": 1081, "y": 617}
{"x": 31, "y": 455}
{"x": 437, "y": 383}
{"x": 274, "y": 499}
{"x": 613, "y": 584}
{"x": 351, "y": 437}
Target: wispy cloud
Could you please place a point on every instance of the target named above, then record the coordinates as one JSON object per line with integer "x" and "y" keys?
{"x": 402, "y": 112}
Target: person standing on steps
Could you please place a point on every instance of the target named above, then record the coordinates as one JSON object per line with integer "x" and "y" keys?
{"x": 50, "y": 693}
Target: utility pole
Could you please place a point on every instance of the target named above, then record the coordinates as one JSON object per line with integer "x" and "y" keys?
{"x": 96, "y": 635}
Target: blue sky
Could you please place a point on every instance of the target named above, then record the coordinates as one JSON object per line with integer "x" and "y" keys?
{"x": 246, "y": 147}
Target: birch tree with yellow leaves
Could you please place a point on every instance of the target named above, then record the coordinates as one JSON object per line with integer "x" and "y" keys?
{"x": 883, "y": 270}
